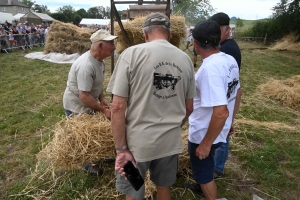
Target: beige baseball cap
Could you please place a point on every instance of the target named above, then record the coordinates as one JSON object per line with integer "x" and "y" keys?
{"x": 102, "y": 35}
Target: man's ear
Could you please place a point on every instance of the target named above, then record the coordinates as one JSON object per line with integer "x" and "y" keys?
{"x": 146, "y": 36}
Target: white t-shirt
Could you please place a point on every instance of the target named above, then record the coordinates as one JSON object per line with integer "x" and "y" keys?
{"x": 157, "y": 78}
{"x": 190, "y": 37}
{"x": 217, "y": 82}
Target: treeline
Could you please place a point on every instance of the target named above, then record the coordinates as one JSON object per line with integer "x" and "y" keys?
{"x": 193, "y": 10}
{"x": 285, "y": 20}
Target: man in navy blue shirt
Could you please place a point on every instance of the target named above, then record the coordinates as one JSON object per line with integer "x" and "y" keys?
{"x": 230, "y": 47}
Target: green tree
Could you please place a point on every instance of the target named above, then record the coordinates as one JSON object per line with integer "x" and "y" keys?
{"x": 68, "y": 12}
{"x": 82, "y": 12}
{"x": 239, "y": 23}
{"x": 58, "y": 16}
{"x": 194, "y": 11}
{"x": 94, "y": 12}
{"x": 77, "y": 19}
{"x": 40, "y": 8}
{"x": 28, "y": 3}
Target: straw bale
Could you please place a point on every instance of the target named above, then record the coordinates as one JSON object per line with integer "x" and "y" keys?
{"x": 184, "y": 158}
{"x": 83, "y": 138}
{"x": 288, "y": 42}
{"x": 149, "y": 187}
{"x": 67, "y": 38}
{"x": 287, "y": 92}
{"x": 134, "y": 31}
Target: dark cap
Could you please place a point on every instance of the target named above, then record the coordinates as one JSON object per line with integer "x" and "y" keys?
{"x": 221, "y": 18}
{"x": 207, "y": 32}
{"x": 157, "y": 19}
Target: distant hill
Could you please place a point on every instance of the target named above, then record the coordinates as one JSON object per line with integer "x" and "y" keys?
{"x": 233, "y": 18}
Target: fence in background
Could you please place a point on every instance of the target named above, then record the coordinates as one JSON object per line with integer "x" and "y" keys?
{"x": 21, "y": 41}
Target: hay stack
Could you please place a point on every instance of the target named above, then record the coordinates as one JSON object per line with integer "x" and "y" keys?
{"x": 184, "y": 158}
{"x": 67, "y": 38}
{"x": 84, "y": 138}
{"x": 289, "y": 42}
{"x": 135, "y": 34}
{"x": 287, "y": 92}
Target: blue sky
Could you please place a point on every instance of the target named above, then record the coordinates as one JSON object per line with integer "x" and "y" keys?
{"x": 245, "y": 9}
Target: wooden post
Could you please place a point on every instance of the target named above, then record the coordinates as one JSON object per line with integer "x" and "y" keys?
{"x": 265, "y": 40}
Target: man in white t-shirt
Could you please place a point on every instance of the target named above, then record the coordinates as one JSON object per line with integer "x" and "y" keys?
{"x": 216, "y": 103}
{"x": 153, "y": 86}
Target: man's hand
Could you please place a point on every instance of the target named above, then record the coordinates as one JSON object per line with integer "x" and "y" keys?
{"x": 104, "y": 103}
{"x": 203, "y": 150}
{"x": 107, "y": 113}
{"x": 231, "y": 131}
{"x": 122, "y": 158}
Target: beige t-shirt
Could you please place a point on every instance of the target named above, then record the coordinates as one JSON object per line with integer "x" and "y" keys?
{"x": 86, "y": 74}
{"x": 157, "y": 78}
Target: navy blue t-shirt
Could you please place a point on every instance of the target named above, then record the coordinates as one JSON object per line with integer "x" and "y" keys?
{"x": 230, "y": 47}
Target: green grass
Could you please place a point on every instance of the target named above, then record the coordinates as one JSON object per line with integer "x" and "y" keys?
{"x": 264, "y": 159}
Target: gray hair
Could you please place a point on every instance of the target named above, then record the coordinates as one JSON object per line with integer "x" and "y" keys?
{"x": 161, "y": 28}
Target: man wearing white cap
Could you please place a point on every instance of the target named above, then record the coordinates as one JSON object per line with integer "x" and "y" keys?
{"x": 84, "y": 91}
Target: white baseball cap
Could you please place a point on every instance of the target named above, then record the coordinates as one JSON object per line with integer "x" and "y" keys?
{"x": 102, "y": 35}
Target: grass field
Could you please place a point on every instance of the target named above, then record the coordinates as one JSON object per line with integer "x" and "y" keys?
{"x": 265, "y": 152}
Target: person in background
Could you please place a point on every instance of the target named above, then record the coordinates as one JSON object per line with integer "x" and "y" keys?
{"x": 84, "y": 91}
{"x": 11, "y": 39}
{"x": 16, "y": 35}
{"x": 3, "y": 43}
{"x": 215, "y": 106}
{"x": 190, "y": 43}
{"x": 153, "y": 86}
{"x": 230, "y": 47}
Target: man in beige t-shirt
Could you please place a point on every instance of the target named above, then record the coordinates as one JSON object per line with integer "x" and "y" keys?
{"x": 85, "y": 81}
{"x": 153, "y": 86}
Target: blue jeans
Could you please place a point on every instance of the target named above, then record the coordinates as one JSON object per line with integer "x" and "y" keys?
{"x": 221, "y": 156}
{"x": 68, "y": 113}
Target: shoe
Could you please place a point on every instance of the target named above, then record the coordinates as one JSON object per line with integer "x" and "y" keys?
{"x": 217, "y": 174}
{"x": 194, "y": 187}
{"x": 93, "y": 169}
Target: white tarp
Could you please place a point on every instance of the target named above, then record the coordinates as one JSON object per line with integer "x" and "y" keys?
{"x": 54, "y": 57}
{"x": 6, "y": 17}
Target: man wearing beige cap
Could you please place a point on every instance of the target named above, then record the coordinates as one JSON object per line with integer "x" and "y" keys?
{"x": 84, "y": 91}
{"x": 153, "y": 86}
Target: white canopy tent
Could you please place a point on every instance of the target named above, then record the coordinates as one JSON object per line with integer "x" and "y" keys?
{"x": 6, "y": 17}
{"x": 18, "y": 16}
{"x": 101, "y": 22}
{"x": 88, "y": 21}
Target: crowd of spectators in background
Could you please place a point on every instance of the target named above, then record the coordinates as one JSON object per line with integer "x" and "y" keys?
{"x": 22, "y": 35}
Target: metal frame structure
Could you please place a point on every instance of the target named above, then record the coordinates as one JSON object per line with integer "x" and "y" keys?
{"x": 114, "y": 13}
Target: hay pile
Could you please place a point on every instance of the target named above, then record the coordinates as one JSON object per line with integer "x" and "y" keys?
{"x": 135, "y": 34}
{"x": 289, "y": 42}
{"x": 88, "y": 138}
{"x": 84, "y": 138}
{"x": 67, "y": 38}
{"x": 184, "y": 158}
{"x": 287, "y": 92}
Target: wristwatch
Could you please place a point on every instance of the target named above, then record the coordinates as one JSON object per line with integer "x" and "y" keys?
{"x": 121, "y": 148}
